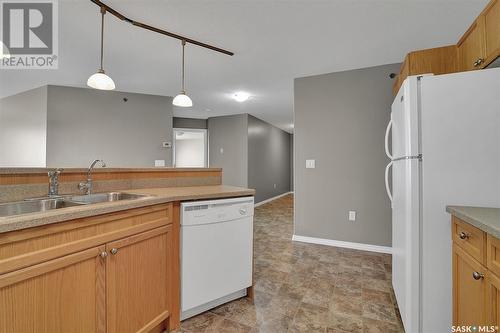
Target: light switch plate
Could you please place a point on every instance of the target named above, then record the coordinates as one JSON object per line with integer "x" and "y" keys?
{"x": 352, "y": 215}
{"x": 310, "y": 164}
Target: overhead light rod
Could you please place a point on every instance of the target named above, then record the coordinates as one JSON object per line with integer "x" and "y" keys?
{"x": 157, "y": 30}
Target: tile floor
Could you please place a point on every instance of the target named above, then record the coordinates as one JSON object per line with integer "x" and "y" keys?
{"x": 305, "y": 287}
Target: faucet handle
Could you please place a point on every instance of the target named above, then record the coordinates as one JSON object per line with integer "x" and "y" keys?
{"x": 55, "y": 172}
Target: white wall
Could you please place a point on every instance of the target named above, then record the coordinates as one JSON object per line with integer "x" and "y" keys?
{"x": 23, "y": 125}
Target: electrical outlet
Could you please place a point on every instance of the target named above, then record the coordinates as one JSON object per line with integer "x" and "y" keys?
{"x": 352, "y": 215}
{"x": 275, "y": 185}
{"x": 159, "y": 163}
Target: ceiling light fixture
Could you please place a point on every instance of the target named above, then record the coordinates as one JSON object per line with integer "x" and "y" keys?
{"x": 182, "y": 99}
{"x": 4, "y": 51}
{"x": 241, "y": 96}
{"x": 100, "y": 80}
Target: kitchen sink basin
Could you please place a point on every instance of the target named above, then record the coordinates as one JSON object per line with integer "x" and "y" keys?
{"x": 35, "y": 206}
{"x": 105, "y": 197}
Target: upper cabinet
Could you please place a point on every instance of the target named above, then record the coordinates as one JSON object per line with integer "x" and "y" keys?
{"x": 471, "y": 47}
{"x": 476, "y": 49}
{"x": 492, "y": 30}
{"x": 439, "y": 60}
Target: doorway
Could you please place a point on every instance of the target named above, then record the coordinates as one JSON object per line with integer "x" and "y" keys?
{"x": 190, "y": 148}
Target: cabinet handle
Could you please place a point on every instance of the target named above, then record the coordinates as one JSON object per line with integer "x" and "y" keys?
{"x": 477, "y": 276}
{"x": 114, "y": 251}
{"x": 103, "y": 254}
{"x": 463, "y": 235}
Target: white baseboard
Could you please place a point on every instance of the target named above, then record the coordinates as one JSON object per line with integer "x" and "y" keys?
{"x": 271, "y": 199}
{"x": 349, "y": 245}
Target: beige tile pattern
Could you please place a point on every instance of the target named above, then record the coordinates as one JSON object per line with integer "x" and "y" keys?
{"x": 305, "y": 287}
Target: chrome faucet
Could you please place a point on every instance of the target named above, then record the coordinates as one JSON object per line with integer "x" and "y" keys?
{"x": 54, "y": 182}
{"x": 87, "y": 186}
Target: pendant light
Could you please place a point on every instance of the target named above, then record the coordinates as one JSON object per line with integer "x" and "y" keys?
{"x": 100, "y": 80}
{"x": 4, "y": 51}
{"x": 182, "y": 99}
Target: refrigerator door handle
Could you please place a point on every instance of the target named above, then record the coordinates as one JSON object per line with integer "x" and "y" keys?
{"x": 387, "y": 131}
{"x": 387, "y": 188}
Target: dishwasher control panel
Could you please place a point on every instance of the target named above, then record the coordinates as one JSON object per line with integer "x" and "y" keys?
{"x": 204, "y": 212}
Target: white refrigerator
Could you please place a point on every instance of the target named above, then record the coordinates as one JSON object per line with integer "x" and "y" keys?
{"x": 445, "y": 134}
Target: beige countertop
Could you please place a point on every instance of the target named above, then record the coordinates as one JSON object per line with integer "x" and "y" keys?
{"x": 158, "y": 195}
{"x": 486, "y": 219}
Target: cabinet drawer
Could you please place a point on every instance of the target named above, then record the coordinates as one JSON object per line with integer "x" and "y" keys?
{"x": 470, "y": 238}
{"x": 27, "y": 247}
{"x": 493, "y": 255}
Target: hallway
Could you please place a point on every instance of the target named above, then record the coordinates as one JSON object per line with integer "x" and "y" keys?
{"x": 303, "y": 287}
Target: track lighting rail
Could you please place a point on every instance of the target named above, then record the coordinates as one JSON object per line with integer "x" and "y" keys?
{"x": 157, "y": 30}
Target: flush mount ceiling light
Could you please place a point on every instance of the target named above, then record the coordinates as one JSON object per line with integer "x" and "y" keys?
{"x": 100, "y": 80}
{"x": 241, "y": 96}
{"x": 182, "y": 99}
{"x": 4, "y": 51}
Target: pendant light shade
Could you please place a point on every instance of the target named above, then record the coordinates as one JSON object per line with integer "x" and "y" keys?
{"x": 182, "y": 99}
{"x": 4, "y": 51}
{"x": 100, "y": 80}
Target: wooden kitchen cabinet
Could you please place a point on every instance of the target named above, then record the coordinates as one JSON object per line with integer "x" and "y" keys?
{"x": 493, "y": 300}
{"x": 470, "y": 283}
{"x": 439, "y": 60}
{"x": 117, "y": 272}
{"x": 137, "y": 273}
{"x": 60, "y": 295}
{"x": 476, "y": 49}
{"x": 492, "y": 30}
{"x": 476, "y": 281}
{"x": 471, "y": 47}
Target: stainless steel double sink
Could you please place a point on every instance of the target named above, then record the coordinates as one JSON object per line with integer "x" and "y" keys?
{"x": 47, "y": 204}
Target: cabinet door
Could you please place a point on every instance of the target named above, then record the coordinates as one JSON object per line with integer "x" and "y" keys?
{"x": 137, "y": 276}
{"x": 471, "y": 48}
{"x": 492, "y": 29}
{"x": 494, "y": 300}
{"x": 469, "y": 289}
{"x": 62, "y": 295}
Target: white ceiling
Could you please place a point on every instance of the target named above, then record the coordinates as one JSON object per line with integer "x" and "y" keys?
{"x": 274, "y": 42}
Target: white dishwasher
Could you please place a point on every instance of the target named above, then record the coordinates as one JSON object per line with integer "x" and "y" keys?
{"x": 216, "y": 252}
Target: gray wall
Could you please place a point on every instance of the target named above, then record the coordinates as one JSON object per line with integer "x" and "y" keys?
{"x": 269, "y": 159}
{"x": 23, "y": 126}
{"x": 229, "y": 133}
{"x": 340, "y": 121}
{"x": 84, "y": 124}
{"x": 180, "y": 122}
{"x": 292, "y": 161}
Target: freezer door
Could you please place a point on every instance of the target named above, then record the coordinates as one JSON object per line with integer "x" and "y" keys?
{"x": 405, "y": 241}
{"x": 405, "y": 120}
